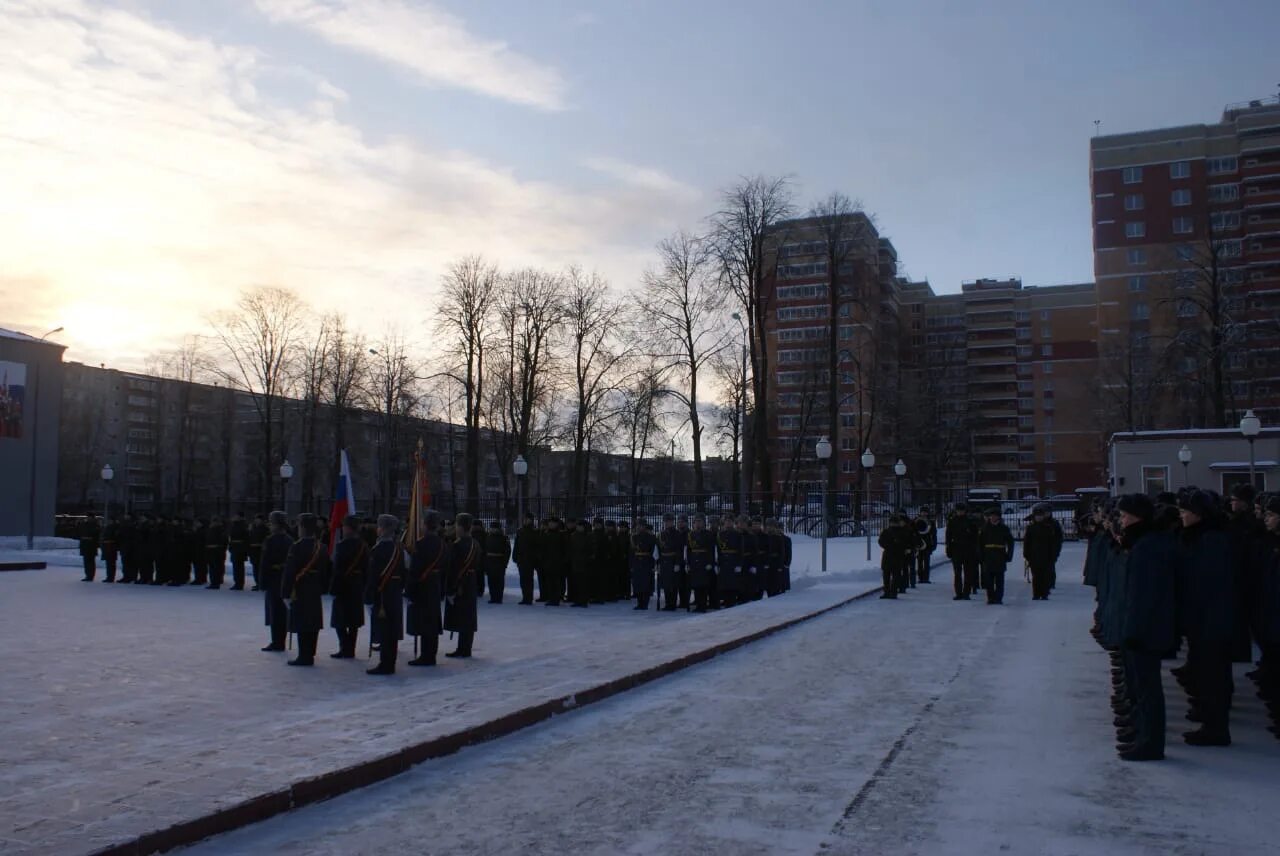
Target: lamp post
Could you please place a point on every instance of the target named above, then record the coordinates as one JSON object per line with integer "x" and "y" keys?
{"x": 899, "y": 470}
{"x": 1184, "y": 458}
{"x": 868, "y": 461}
{"x": 1250, "y": 427}
{"x": 107, "y": 475}
{"x": 286, "y": 473}
{"x": 743, "y": 476}
{"x": 823, "y": 450}
{"x": 520, "y": 467}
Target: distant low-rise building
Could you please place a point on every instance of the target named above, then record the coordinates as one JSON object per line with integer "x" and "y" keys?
{"x": 1148, "y": 462}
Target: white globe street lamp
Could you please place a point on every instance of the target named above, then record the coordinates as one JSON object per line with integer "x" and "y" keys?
{"x": 823, "y": 450}
{"x": 286, "y": 473}
{"x": 107, "y": 475}
{"x": 1250, "y": 427}
{"x": 521, "y": 468}
{"x": 868, "y": 461}
{"x": 1184, "y": 458}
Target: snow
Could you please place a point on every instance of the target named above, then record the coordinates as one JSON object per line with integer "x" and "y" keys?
{"x": 918, "y": 726}
{"x": 132, "y": 708}
{"x": 42, "y": 543}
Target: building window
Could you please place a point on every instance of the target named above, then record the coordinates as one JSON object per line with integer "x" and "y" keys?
{"x": 1046, "y": 350}
{"x": 1181, "y": 169}
{"x": 1046, "y": 332}
{"x": 1183, "y": 226}
{"x": 1046, "y": 368}
{"x": 1133, "y": 175}
{"x": 1133, "y": 202}
{"x": 1137, "y": 257}
{"x": 1135, "y": 230}
{"x": 1229, "y": 249}
{"x": 1024, "y": 351}
{"x": 1155, "y": 479}
{"x": 1224, "y": 192}
{"x": 1186, "y": 308}
{"x": 1186, "y": 252}
{"x": 1137, "y": 283}
{"x": 1139, "y": 311}
{"x": 1181, "y": 197}
{"x": 1231, "y": 479}
{"x": 1022, "y": 315}
{"x": 1221, "y": 166}
{"x": 1221, "y": 221}
{"x": 1026, "y": 422}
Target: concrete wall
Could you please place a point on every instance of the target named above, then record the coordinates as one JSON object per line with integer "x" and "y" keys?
{"x": 1218, "y": 459}
{"x": 38, "y": 442}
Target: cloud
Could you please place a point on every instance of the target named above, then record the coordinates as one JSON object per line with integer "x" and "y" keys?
{"x": 427, "y": 41}
{"x": 149, "y": 176}
{"x": 644, "y": 178}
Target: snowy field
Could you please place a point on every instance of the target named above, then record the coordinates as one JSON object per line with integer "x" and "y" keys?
{"x": 920, "y": 726}
{"x": 131, "y": 708}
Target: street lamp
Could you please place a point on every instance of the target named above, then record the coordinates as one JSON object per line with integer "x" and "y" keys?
{"x": 1250, "y": 427}
{"x": 868, "y": 461}
{"x": 1184, "y": 458}
{"x": 743, "y": 476}
{"x": 521, "y": 468}
{"x": 107, "y": 475}
{"x": 823, "y": 450}
{"x": 899, "y": 470}
{"x": 286, "y": 473}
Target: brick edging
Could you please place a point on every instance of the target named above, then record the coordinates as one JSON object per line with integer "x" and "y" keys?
{"x": 346, "y": 779}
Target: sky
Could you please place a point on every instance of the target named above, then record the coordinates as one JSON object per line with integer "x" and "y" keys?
{"x": 158, "y": 157}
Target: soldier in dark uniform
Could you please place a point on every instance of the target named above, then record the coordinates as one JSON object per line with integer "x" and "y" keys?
{"x": 238, "y": 544}
{"x": 258, "y": 533}
{"x": 89, "y": 532}
{"x": 928, "y": 532}
{"x": 643, "y": 546}
{"x": 581, "y": 564}
{"x": 306, "y": 579}
{"x": 682, "y": 570}
{"x": 963, "y": 551}
{"x": 479, "y": 535}
{"x": 895, "y": 548}
{"x": 142, "y": 549}
{"x": 555, "y": 550}
{"x": 670, "y": 555}
{"x": 198, "y": 553}
{"x": 777, "y": 554}
{"x": 701, "y": 551}
{"x": 460, "y": 587}
{"x": 609, "y": 563}
{"x": 1246, "y": 532}
{"x": 729, "y": 569}
{"x": 601, "y": 559}
{"x": 622, "y": 561}
{"x": 172, "y": 565}
{"x": 713, "y": 594}
{"x": 1041, "y": 545}
{"x": 275, "y": 551}
{"x": 127, "y": 533}
{"x": 430, "y": 557}
{"x": 757, "y": 571}
{"x": 215, "y": 542}
{"x": 110, "y": 549}
{"x": 1266, "y": 617}
{"x": 497, "y": 554}
{"x": 996, "y": 542}
{"x": 384, "y": 587}
{"x": 525, "y": 553}
{"x": 350, "y": 569}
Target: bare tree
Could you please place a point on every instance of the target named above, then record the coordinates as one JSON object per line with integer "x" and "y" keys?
{"x": 727, "y": 413}
{"x": 314, "y": 369}
{"x": 176, "y": 438}
{"x": 258, "y": 339}
{"x": 463, "y": 318}
{"x": 348, "y": 375}
{"x": 748, "y": 219}
{"x": 684, "y": 302}
{"x": 393, "y": 389}
{"x": 639, "y": 420}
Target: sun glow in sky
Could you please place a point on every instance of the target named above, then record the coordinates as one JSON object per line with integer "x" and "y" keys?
{"x": 157, "y": 157}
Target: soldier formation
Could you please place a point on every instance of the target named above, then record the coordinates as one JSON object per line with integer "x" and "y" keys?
{"x": 1186, "y": 568}
{"x": 173, "y": 551}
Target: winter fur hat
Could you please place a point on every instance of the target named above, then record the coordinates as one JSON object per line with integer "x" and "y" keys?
{"x": 1199, "y": 503}
{"x": 1244, "y": 493}
{"x": 1137, "y": 504}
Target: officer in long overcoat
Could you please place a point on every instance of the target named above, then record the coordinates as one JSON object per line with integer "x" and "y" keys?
{"x": 644, "y": 546}
{"x": 384, "y": 590}
{"x": 525, "y": 552}
{"x": 996, "y": 543}
{"x": 465, "y": 562}
{"x": 350, "y": 571}
{"x": 306, "y": 579}
{"x": 701, "y": 551}
{"x": 422, "y": 587}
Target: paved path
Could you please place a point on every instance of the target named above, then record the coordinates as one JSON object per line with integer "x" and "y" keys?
{"x": 128, "y": 709}
{"x": 916, "y": 726}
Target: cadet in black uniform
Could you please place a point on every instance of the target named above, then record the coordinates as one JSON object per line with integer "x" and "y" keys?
{"x": 215, "y": 539}
{"x": 928, "y": 532}
{"x": 729, "y": 569}
{"x": 238, "y": 544}
{"x": 671, "y": 555}
{"x": 525, "y": 554}
{"x": 275, "y": 552}
{"x": 682, "y": 569}
{"x": 197, "y": 552}
{"x": 89, "y": 533}
{"x": 622, "y": 562}
{"x": 1266, "y": 617}
{"x": 555, "y": 555}
{"x": 643, "y": 547}
{"x": 258, "y": 533}
{"x": 1041, "y": 546}
{"x": 460, "y": 587}
{"x": 996, "y": 542}
{"x": 497, "y": 553}
{"x": 430, "y": 556}
{"x": 581, "y": 563}
{"x": 963, "y": 551}
{"x": 350, "y": 569}
{"x": 702, "y": 556}
{"x": 895, "y": 548}
{"x": 110, "y": 549}
{"x": 306, "y": 579}
{"x": 601, "y": 561}
{"x": 384, "y": 588}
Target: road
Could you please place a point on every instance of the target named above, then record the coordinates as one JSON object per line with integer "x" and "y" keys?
{"x": 917, "y": 726}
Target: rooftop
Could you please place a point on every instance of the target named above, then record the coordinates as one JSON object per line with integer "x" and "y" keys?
{"x": 23, "y": 337}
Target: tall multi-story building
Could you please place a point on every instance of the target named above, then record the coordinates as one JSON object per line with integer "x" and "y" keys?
{"x": 1186, "y": 227}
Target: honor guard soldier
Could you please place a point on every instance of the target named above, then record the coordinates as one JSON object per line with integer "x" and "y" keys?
{"x": 1266, "y": 617}
{"x": 306, "y": 579}
{"x": 384, "y": 588}
{"x": 671, "y": 555}
{"x": 581, "y": 562}
{"x": 997, "y": 551}
{"x": 759, "y": 560}
{"x": 460, "y": 587}
{"x": 526, "y": 555}
{"x": 895, "y": 553}
{"x": 238, "y": 543}
{"x": 602, "y": 555}
{"x": 928, "y": 532}
{"x": 215, "y": 540}
{"x": 622, "y": 561}
{"x": 702, "y": 558}
{"x": 258, "y": 533}
{"x": 128, "y": 535}
{"x": 729, "y": 553}
{"x": 555, "y": 554}
{"x": 110, "y": 549}
{"x": 275, "y": 552}
{"x": 89, "y": 533}
{"x": 643, "y": 546}
{"x": 1041, "y": 545}
{"x": 197, "y": 552}
{"x": 430, "y": 555}
{"x": 962, "y": 549}
{"x": 682, "y": 569}
{"x": 497, "y": 553}
{"x": 350, "y": 569}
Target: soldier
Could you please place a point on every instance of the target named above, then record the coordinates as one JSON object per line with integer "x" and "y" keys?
{"x": 171, "y": 567}
{"x": 895, "y": 553}
{"x": 602, "y": 557}
{"x": 758, "y": 570}
{"x": 1266, "y": 618}
{"x": 238, "y": 542}
{"x": 682, "y": 569}
{"x": 1246, "y": 532}
{"x": 350, "y": 569}
{"x": 128, "y": 537}
{"x": 478, "y": 535}
{"x": 702, "y": 557}
{"x": 384, "y": 588}
{"x": 928, "y": 532}
{"x": 258, "y": 533}
{"x": 554, "y": 555}
{"x": 430, "y": 555}
{"x": 215, "y": 541}
{"x": 275, "y": 551}
{"x": 671, "y": 555}
{"x": 306, "y": 579}
{"x": 89, "y": 532}
{"x": 1146, "y": 625}
{"x": 460, "y": 587}
{"x": 525, "y": 554}
{"x": 198, "y": 553}
{"x": 1041, "y": 545}
{"x": 713, "y": 595}
{"x": 110, "y": 548}
{"x": 497, "y": 555}
{"x": 581, "y": 564}
{"x": 773, "y": 536}
{"x": 643, "y": 547}
{"x": 962, "y": 549}
{"x": 996, "y": 542}
{"x": 622, "y": 562}
{"x": 729, "y": 569}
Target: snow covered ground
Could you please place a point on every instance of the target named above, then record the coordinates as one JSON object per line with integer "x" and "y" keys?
{"x": 129, "y": 708}
{"x": 918, "y": 726}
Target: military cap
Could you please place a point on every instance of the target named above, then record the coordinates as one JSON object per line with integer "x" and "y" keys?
{"x": 388, "y": 521}
{"x": 961, "y": 506}
{"x": 278, "y": 518}
{"x": 668, "y": 518}
{"x": 462, "y": 521}
{"x": 1272, "y": 505}
{"x": 1166, "y": 498}
{"x": 992, "y": 509}
{"x": 1137, "y": 504}
{"x": 308, "y": 522}
{"x": 431, "y": 519}
{"x": 610, "y": 524}
{"x": 1244, "y": 493}
{"x": 1198, "y": 502}
{"x": 351, "y": 522}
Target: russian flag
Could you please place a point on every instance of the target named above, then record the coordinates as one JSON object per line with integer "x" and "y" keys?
{"x": 345, "y": 502}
